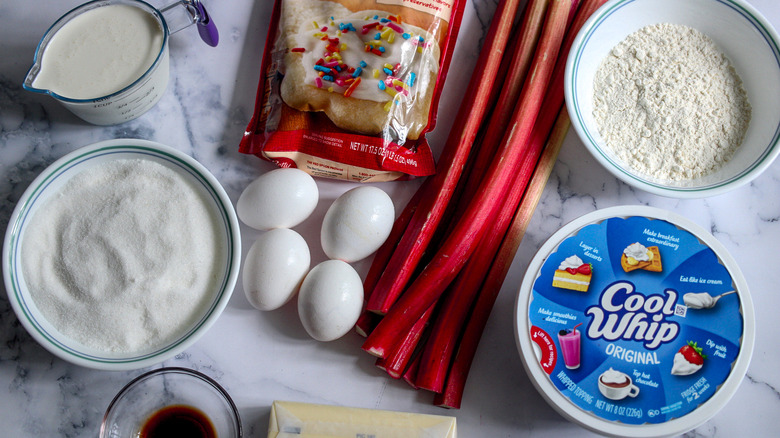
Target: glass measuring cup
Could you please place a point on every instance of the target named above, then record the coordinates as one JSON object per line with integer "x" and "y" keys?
{"x": 129, "y": 99}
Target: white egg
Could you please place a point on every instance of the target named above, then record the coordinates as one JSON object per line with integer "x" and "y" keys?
{"x": 330, "y": 300}
{"x": 274, "y": 268}
{"x": 281, "y": 198}
{"x": 357, "y": 224}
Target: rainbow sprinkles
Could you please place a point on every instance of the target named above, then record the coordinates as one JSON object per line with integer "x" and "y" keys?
{"x": 377, "y": 58}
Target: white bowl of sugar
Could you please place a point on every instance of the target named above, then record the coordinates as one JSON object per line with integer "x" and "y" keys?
{"x": 121, "y": 254}
{"x": 677, "y": 97}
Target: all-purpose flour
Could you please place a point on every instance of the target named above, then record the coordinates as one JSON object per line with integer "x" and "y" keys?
{"x": 124, "y": 257}
{"x": 670, "y": 104}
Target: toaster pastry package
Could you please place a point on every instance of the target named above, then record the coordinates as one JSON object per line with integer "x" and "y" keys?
{"x": 349, "y": 88}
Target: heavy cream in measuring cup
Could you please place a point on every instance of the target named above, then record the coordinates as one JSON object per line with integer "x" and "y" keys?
{"x": 100, "y": 52}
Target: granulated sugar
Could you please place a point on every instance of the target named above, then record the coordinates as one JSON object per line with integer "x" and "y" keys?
{"x": 124, "y": 257}
{"x": 669, "y": 103}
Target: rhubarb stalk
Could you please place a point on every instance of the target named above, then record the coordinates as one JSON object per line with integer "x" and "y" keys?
{"x": 521, "y": 58}
{"x": 452, "y": 394}
{"x": 368, "y": 320}
{"x": 410, "y": 375}
{"x": 460, "y": 244}
{"x": 446, "y": 330}
{"x": 456, "y": 150}
{"x": 396, "y": 362}
{"x": 458, "y": 372}
{"x": 457, "y": 305}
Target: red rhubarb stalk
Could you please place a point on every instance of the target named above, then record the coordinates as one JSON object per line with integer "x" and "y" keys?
{"x": 445, "y": 331}
{"x": 530, "y": 31}
{"x": 456, "y": 150}
{"x": 491, "y": 136}
{"x": 456, "y": 380}
{"x": 383, "y": 254}
{"x": 460, "y": 244}
{"x": 465, "y": 182}
{"x": 368, "y": 320}
{"x": 396, "y": 362}
{"x": 457, "y": 305}
{"x": 452, "y": 394}
{"x": 410, "y": 375}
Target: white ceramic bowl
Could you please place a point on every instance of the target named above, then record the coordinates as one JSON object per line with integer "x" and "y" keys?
{"x": 49, "y": 182}
{"x": 740, "y": 31}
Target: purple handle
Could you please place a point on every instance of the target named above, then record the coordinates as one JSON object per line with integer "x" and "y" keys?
{"x": 206, "y": 28}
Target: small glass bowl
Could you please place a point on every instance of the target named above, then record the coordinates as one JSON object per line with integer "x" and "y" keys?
{"x": 150, "y": 392}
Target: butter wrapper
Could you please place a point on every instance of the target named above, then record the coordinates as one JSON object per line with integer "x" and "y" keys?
{"x": 306, "y": 420}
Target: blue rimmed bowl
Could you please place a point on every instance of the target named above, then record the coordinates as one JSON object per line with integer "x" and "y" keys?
{"x": 49, "y": 183}
{"x": 740, "y": 31}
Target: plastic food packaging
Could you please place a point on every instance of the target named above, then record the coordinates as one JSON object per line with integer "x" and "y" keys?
{"x": 306, "y": 420}
{"x": 348, "y": 89}
{"x": 635, "y": 322}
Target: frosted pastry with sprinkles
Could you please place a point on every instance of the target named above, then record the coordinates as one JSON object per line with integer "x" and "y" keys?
{"x": 349, "y": 89}
{"x": 369, "y": 71}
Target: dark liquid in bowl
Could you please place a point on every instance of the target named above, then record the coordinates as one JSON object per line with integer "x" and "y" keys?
{"x": 178, "y": 421}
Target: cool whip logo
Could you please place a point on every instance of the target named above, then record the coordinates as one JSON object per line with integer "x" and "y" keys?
{"x": 624, "y": 314}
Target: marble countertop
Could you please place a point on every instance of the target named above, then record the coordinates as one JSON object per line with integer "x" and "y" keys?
{"x": 262, "y": 357}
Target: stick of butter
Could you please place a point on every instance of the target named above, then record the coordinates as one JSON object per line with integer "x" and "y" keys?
{"x": 305, "y": 420}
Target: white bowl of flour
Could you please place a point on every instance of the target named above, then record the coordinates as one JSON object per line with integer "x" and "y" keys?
{"x": 677, "y": 97}
{"x": 121, "y": 254}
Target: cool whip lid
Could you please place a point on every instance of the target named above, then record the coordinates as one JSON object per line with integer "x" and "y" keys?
{"x": 633, "y": 340}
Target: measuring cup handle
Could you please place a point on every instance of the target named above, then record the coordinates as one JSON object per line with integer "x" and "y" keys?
{"x": 183, "y": 13}
{"x": 206, "y": 28}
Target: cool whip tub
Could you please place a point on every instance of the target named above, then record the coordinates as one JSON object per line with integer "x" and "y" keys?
{"x": 664, "y": 318}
